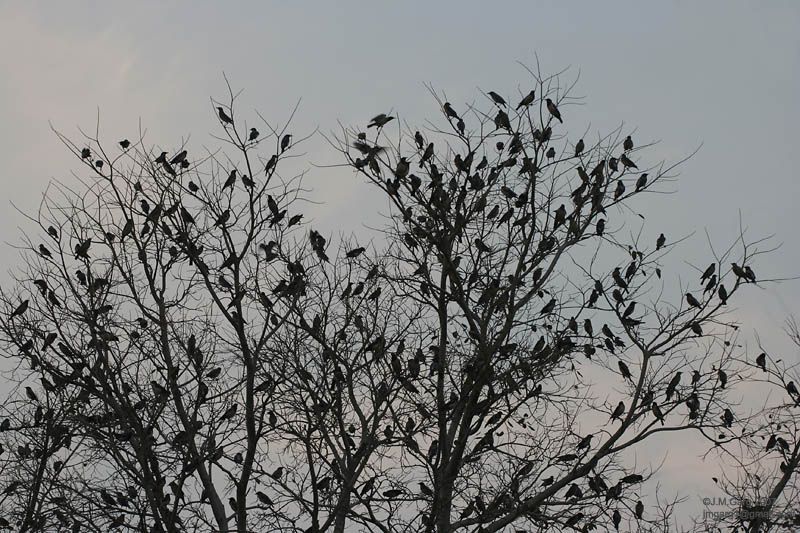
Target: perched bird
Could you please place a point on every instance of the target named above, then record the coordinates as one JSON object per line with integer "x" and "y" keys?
{"x": 379, "y": 121}
{"x": 723, "y": 378}
{"x": 551, "y": 107}
{"x": 355, "y": 252}
{"x": 179, "y": 158}
{"x": 761, "y": 361}
{"x": 548, "y": 308}
{"x": 20, "y": 309}
{"x": 708, "y": 272}
{"x": 673, "y": 384}
{"x": 641, "y": 182}
{"x": 722, "y": 292}
{"x": 285, "y": 142}
{"x": 579, "y": 147}
{"x": 528, "y": 100}
{"x": 497, "y": 99}
{"x": 419, "y": 140}
{"x": 223, "y": 116}
{"x": 657, "y": 413}
{"x": 31, "y": 395}
{"x": 253, "y": 134}
{"x": 627, "y": 162}
{"x": 618, "y": 411}
{"x": 223, "y": 218}
{"x": 661, "y": 241}
{"x": 449, "y": 111}
{"x": 401, "y": 170}
{"x": 691, "y": 300}
{"x": 627, "y": 144}
{"x": 625, "y": 371}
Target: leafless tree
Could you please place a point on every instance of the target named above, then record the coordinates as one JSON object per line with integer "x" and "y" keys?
{"x": 200, "y": 358}
{"x": 762, "y": 487}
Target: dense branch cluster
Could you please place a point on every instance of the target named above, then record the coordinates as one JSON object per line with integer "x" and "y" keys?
{"x": 192, "y": 355}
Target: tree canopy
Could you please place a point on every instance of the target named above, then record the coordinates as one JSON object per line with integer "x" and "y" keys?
{"x": 192, "y": 353}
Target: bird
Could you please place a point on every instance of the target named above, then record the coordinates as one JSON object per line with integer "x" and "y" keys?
{"x": 223, "y": 116}
{"x": 661, "y": 241}
{"x": 658, "y": 413}
{"x": 727, "y": 418}
{"x": 253, "y": 134}
{"x": 124, "y": 144}
{"x": 223, "y": 218}
{"x": 401, "y": 170}
{"x": 285, "y": 142}
{"x": 627, "y": 162}
{"x": 551, "y": 107}
{"x": 527, "y": 100}
{"x": 179, "y": 158}
{"x": 625, "y": 371}
{"x": 20, "y": 309}
{"x": 673, "y": 384}
{"x": 641, "y": 182}
{"x": 723, "y": 378}
{"x": 691, "y": 300}
{"x": 616, "y": 518}
{"x": 619, "y": 191}
{"x": 277, "y": 473}
{"x": 449, "y": 111}
{"x": 761, "y": 361}
{"x": 579, "y": 147}
{"x": 722, "y": 292}
{"x": 419, "y": 140}
{"x": 707, "y": 272}
{"x": 355, "y": 252}
{"x": 739, "y": 271}
{"x": 82, "y": 249}
{"x": 379, "y": 121}
{"x": 639, "y": 510}
{"x": 618, "y": 411}
{"x": 501, "y": 120}
{"x": 31, "y": 395}
{"x": 627, "y": 144}
{"x": 585, "y": 442}
{"x": 600, "y": 227}
{"x": 497, "y": 99}
{"x": 548, "y": 308}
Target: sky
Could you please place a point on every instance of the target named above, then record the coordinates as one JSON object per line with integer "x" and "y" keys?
{"x": 722, "y": 76}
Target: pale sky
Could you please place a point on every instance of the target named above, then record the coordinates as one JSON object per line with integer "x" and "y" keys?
{"x": 724, "y": 74}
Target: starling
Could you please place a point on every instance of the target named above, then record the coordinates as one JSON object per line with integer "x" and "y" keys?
{"x": 528, "y": 100}
{"x": 223, "y": 116}
{"x": 551, "y": 107}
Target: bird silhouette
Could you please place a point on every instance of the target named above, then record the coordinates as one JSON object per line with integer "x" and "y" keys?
{"x": 627, "y": 144}
{"x": 379, "y": 121}
{"x": 253, "y": 135}
{"x": 497, "y": 99}
{"x": 579, "y": 148}
{"x": 691, "y": 300}
{"x": 223, "y": 116}
{"x": 618, "y": 411}
{"x": 527, "y": 100}
{"x": 449, "y": 111}
{"x": 761, "y": 361}
{"x": 285, "y": 142}
{"x": 551, "y": 107}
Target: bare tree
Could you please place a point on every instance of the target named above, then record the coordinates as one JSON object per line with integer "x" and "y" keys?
{"x": 195, "y": 360}
{"x": 761, "y": 486}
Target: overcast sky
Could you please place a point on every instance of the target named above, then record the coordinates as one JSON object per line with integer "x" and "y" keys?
{"x": 722, "y": 74}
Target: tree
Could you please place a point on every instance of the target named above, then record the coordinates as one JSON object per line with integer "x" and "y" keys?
{"x": 762, "y": 489}
{"x": 199, "y": 359}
